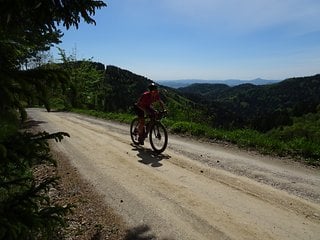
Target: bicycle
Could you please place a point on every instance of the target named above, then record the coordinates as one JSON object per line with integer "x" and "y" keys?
{"x": 158, "y": 136}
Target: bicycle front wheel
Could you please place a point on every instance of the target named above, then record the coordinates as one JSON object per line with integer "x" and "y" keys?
{"x": 158, "y": 137}
{"x": 134, "y": 131}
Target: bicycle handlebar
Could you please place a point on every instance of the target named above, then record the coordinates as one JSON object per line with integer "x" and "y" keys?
{"x": 159, "y": 115}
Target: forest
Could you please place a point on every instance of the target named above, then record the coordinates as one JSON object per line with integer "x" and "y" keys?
{"x": 260, "y": 107}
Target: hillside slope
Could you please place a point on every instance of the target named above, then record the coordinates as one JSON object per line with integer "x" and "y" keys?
{"x": 122, "y": 89}
{"x": 255, "y": 106}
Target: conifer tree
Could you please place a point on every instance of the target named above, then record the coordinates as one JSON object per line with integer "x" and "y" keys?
{"x": 27, "y": 27}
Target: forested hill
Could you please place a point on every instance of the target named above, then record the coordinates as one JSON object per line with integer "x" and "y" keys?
{"x": 122, "y": 89}
{"x": 261, "y": 107}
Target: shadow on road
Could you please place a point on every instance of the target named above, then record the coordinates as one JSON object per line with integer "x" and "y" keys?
{"x": 141, "y": 232}
{"x": 32, "y": 123}
{"x": 147, "y": 156}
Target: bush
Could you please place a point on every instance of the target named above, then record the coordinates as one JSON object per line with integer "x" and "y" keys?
{"x": 303, "y": 147}
{"x": 59, "y": 104}
{"x": 8, "y": 124}
{"x": 26, "y": 211}
{"x": 181, "y": 127}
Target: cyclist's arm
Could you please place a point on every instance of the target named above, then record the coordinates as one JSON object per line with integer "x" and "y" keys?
{"x": 161, "y": 104}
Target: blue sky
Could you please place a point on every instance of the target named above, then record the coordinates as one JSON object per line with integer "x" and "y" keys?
{"x": 203, "y": 39}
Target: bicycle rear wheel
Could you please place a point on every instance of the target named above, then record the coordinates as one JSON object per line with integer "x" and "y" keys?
{"x": 134, "y": 131}
{"x": 158, "y": 137}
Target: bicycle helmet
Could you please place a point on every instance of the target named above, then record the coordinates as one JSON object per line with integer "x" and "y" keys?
{"x": 152, "y": 87}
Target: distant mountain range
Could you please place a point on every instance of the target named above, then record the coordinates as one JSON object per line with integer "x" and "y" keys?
{"x": 229, "y": 82}
{"x": 261, "y": 107}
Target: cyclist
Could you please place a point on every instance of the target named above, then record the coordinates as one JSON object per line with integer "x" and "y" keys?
{"x": 144, "y": 105}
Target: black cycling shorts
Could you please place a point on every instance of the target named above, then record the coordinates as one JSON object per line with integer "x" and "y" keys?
{"x": 138, "y": 111}
{"x": 149, "y": 111}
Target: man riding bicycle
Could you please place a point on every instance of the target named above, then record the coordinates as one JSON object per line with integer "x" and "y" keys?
{"x": 144, "y": 105}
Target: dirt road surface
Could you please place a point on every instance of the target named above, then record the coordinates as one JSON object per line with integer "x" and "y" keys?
{"x": 193, "y": 190}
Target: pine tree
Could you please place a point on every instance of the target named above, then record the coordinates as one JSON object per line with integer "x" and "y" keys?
{"x": 26, "y": 28}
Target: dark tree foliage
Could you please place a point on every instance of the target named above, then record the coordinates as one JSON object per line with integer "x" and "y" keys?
{"x": 30, "y": 26}
{"x": 122, "y": 88}
{"x": 25, "y": 210}
{"x": 27, "y": 27}
{"x": 260, "y": 107}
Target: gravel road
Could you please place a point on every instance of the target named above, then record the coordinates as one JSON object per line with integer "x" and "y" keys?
{"x": 194, "y": 190}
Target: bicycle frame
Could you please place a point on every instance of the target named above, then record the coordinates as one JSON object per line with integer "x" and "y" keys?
{"x": 156, "y": 131}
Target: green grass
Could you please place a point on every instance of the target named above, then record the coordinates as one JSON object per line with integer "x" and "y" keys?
{"x": 297, "y": 147}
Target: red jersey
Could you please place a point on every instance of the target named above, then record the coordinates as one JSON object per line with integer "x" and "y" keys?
{"x": 147, "y": 99}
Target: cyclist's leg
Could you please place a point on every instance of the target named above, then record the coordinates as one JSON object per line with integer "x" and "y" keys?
{"x": 140, "y": 114}
{"x": 141, "y": 130}
{"x": 152, "y": 115}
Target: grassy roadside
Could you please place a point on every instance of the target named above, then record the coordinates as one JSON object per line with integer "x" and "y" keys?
{"x": 302, "y": 148}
